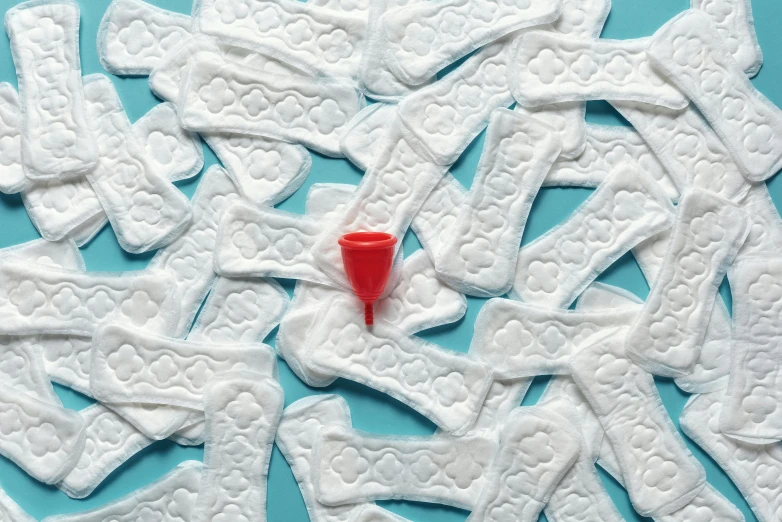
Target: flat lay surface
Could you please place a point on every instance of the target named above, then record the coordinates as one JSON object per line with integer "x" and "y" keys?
{"x": 372, "y": 412}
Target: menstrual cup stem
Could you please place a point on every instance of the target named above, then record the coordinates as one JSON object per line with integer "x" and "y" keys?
{"x": 369, "y": 314}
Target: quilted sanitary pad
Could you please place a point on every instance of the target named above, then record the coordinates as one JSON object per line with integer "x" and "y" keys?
{"x": 628, "y": 208}
{"x": 314, "y": 39}
{"x": 221, "y": 96}
{"x": 355, "y": 467}
{"x": 751, "y": 407}
{"x": 689, "y": 51}
{"x": 55, "y": 136}
{"x": 666, "y": 337}
{"x": 131, "y": 366}
{"x": 478, "y": 257}
{"x": 423, "y": 38}
{"x": 552, "y": 68}
{"x": 242, "y": 412}
{"x": 660, "y": 473}
{"x": 43, "y": 439}
{"x": 538, "y": 448}
{"x": 447, "y": 387}
{"x": 134, "y": 35}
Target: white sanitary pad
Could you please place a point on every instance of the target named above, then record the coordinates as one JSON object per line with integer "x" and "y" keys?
{"x": 660, "y": 473}
{"x": 12, "y": 179}
{"x": 352, "y": 466}
{"x": 242, "y": 412}
{"x": 627, "y": 208}
{"x": 110, "y": 440}
{"x": 736, "y": 26}
{"x": 687, "y": 147}
{"x": 580, "y": 495}
{"x": 438, "y": 213}
{"x": 552, "y": 68}
{"x": 40, "y": 299}
{"x": 667, "y": 335}
{"x": 221, "y": 96}
{"x": 374, "y": 76}
{"x": 314, "y": 39}
{"x": 607, "y": 147}
{"x": 188, "y": 260}
{"x": 538, "y": 448}
{"x": 479, "y": 252}
{"x": 133, "y": 36}
{"x": 56, "y": 138}
{"x": 367, "y": 133}
{"x": 22, "y": 368}
{"x": 751, "y": 409}
{"x": 169, "y": 499}
{"x": 753, "y": 468}
{"x": 44, "y": 439}
{"x": 165, "y": 78}
{"x": 441, "y": 119}
{"x": 129, "y": 365}
{"x": 145, "y": 210}
{"x": 386, "y": 200}
{"x": 524, "y": 340}
{"x": 171, "y": 150}
{"x": 690, "y": 52}
{"x": 447, "y": 387}
{"x": 296, "y": 438}
{"x": 422, "y": 38}
{"x": 265, "y": 171}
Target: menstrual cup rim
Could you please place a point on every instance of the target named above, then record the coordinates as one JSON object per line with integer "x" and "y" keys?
{"x": 371, "y": 240}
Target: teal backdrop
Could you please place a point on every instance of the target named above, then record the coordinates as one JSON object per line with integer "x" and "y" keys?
{"x": 371, "y": 411}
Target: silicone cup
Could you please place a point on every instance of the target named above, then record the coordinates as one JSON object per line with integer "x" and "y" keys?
{"x": 367, "y": 258}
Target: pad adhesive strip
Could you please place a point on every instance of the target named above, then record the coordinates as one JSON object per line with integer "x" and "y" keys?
{"x": 317, "y": 40}
{"x": 538, "y": 448}
{"x": 133, "y": 36}
{"x": 56, "y": 138}
{"x": 352, "y": 467}
{"x": 551, "y": 68}
{"x": 447, "y": 387}
{"x": 171, "y": 498}
{"x": 220, "y": 96}
{"x": 660, "y": 473}
{"x": 690, "y": 52}
{"x": 628, "y": 208}
{"x": 751, "y": 409}
{"x": 668, "y": 333}
{"x": 479, "y": 255}
{"x": 43, "y": 439}
{"x": 133, "y": 366}
{"x": 422, "y": 38}
{"x": 242, "y": 413}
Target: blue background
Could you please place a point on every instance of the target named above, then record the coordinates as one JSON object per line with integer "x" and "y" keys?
{"x": 371, "y": 411}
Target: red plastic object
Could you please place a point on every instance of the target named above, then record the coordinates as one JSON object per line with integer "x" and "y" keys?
{"x": 367, "y": 257}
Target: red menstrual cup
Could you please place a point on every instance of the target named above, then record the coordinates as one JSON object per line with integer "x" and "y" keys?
{"x": 367, "y": 257}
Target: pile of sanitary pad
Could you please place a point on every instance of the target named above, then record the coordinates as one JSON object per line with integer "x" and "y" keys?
{"x": 175, "y": 351}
